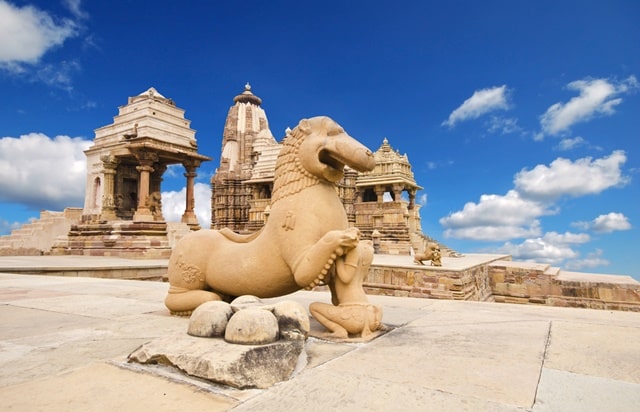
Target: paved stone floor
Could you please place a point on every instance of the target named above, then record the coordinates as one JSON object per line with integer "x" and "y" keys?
{"x": 64, "y": 343}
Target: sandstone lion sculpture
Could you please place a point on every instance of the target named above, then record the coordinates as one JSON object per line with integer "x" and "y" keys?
{"x": 305, "y": 242}
{"x": 432, "y": 253}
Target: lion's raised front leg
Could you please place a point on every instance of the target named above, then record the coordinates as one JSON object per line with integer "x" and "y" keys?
{"x": 318, "y": 260}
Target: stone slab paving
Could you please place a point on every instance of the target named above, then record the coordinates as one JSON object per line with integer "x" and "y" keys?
{"x": 64, "y": 343}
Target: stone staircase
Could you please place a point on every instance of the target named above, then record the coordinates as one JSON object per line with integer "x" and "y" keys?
{"x": 38, "y": 236}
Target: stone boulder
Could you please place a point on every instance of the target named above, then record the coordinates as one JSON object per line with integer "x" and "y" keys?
{"x": 252, "y": 326}
{"x": 210, "y": 319}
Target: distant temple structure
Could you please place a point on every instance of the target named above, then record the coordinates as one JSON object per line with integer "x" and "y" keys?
{"x": 122, "y": 214}
{"x": 381, "y": 203}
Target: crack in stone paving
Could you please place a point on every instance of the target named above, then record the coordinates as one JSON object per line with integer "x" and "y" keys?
{"x": 544, "y": 358}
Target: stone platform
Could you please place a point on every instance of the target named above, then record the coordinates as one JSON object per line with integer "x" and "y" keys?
{"x": 64, "y": 343}
{"x": 86, "y": 266}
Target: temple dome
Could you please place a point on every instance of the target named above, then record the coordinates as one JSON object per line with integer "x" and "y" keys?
{"x": 247, "y": 97}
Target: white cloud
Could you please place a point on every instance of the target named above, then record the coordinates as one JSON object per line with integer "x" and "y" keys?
{"x": 539, "y": 250}
{"x": 480, "y": 103}
{"x": 592, "y": 260}
{"x": 494, "y": 233}
{"x": 43, "y": 172}
{"x": 422, "y": 199}
{"x": 59, "y": 74}
{"x": 75, "y": 8}
{"x": 173, "y": 204}
{"x": 27, "y": 33}
{"x": 610, "y": 222}
{"x": 597, "y": 97}
{"x": 496, "y": 218}
{"x": 516, "y": 214}
{"x": 503, "y": 125}
{"x": 6, "y": 227}
{"x": 553, "y": 248}
{"x": 564, "y": 177}
{"x": 568, "y": 144}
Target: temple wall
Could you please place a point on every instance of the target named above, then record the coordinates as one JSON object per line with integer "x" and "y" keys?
{"x": 521, "y": 282}
{"x": 430, "y": 282}
{"x": 505, "y": 281}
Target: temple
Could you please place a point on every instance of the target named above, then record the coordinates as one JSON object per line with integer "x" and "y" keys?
{"x": 122, "y": 213}
{"x": 381, "y": 203}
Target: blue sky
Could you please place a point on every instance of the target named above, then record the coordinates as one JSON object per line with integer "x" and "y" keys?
{"x": 520, "y": 118}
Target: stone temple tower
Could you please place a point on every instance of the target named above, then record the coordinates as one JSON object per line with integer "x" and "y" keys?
{"x": 246, "y": 130}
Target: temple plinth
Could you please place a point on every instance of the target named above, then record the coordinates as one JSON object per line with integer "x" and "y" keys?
{"x": 122, "y": 214}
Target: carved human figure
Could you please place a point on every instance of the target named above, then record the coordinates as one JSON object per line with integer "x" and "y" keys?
{"x": 154, "y": 203}
{"x": 351, "y": 312}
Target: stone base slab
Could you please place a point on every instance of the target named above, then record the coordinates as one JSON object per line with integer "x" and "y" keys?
{"x": 239, "y": 366}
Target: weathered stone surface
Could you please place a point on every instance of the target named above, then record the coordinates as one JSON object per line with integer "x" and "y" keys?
{"x": 252, "y": 326}
{"x": 293, "y": 320}
{"x": 246, "y": 301}
{"x": 240, "y": 366}
{"x": 210, "y": 319}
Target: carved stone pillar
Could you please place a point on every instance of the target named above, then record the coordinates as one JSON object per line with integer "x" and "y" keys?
{"x": 143, "y": 211}
{"x": 412, "y": 198}
{"x": 108, "y": 212}
{"x": 155, "y": 188}
{"x": 380, "y": 194}
{"x": 397, "y": 192}
{"x": 189, "y": 216}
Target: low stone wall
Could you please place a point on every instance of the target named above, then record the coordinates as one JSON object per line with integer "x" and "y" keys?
{"x": 429, "y": 282}
{"x": 534, "y": 283}
{"x": 502, "y": 280}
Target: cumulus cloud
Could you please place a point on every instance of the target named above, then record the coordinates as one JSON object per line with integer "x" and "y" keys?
{"x": 517, "y": 214}
{"x": 496, "y": 218}
{"x": 43, "y": 172}
{"x": 566, "y": 238}
{"x": 596, "y": 97}
{"x": 608, "y": 223}
{"x": 173, "y": 204}
{"x": 27, "y": 33}
{"x": 564, "y": 177}
{"x": 552, "y": 248}
{"x": 592, "y": 260}
{"x": 480, "y": 103}
{"x": 539, "y": 250}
